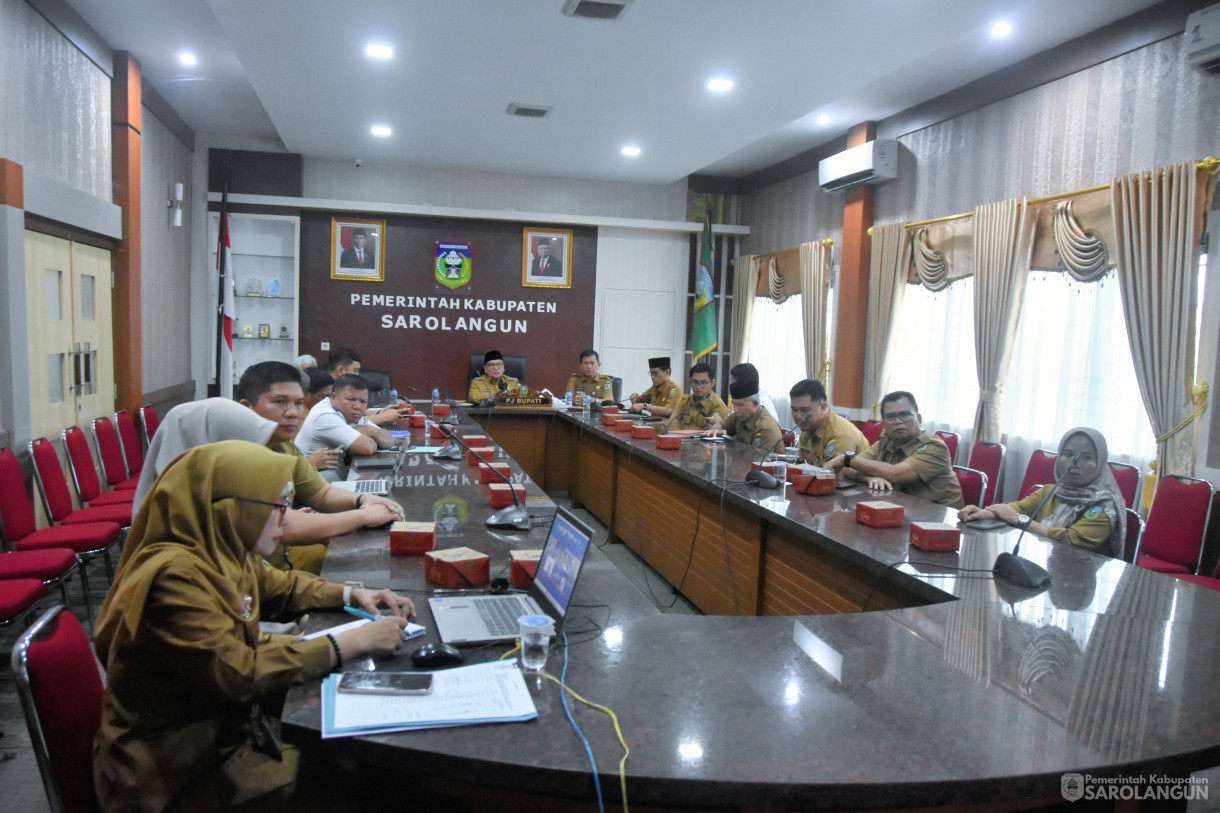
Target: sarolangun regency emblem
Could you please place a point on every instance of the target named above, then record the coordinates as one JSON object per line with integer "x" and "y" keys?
{"x": 453, "y": 264}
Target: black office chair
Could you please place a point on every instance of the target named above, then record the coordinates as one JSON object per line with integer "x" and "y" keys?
{"x": 379, "y": 386}
{"x": 513, "y": 366}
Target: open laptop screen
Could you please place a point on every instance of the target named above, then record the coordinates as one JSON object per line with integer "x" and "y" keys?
{"x": 561, "y": 560}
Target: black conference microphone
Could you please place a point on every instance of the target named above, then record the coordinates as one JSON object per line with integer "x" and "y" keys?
{"x": 1022, "y": 572}
{"x": 760, "y": 478}
{"x": 513, "y": 516}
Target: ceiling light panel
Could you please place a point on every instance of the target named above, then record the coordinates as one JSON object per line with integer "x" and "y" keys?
{"x": 381, "y": 131}
{"x": 378, "y": 51}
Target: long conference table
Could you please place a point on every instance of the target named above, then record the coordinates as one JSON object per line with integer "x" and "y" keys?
{"x": 836, "y": 666}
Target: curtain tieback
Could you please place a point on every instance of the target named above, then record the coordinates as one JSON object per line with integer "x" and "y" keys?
{"x": 1198, "y": 394}
{"x": 988, "y": 396}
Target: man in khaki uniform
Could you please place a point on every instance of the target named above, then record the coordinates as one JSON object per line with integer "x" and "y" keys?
{"x": 750, "y": 423}
{"x": 907, "y": 458}
{"x": 589, "y": 380}
{"x": 824, "y": 434}
{"x": 493, "y": 384}
{"x": 694, "y": 411}
{"x": 659, "y": 399}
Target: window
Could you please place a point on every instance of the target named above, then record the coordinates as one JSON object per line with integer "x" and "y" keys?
{"x": 777, "y": 346}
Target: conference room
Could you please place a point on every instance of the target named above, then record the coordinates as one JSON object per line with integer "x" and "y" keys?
{"x": 1004, "y": 209}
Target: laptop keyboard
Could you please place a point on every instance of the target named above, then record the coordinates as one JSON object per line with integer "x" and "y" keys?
{"x": 501, "y": 613}
{"x": 372, "y": 486}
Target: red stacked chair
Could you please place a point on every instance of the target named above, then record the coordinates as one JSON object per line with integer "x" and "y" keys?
{"x": 110, "y": 451}
{"x": 872, "y": 431}
{"x": 17, "y": 597}
{"x": 1039, "y": 472}
{"x": 1128, "y": 478}
{"x": 149, "y": 421}
{"x": 84, "y": 474}
{"x": 57, "y": 500}
{"x": 51, "y": 566}
{"x": 129, "y": 436}
{"x": 1135, "y": 529}
{"x": 988, "y": 458}
{"x": 951, "y": 440}
{"x": 1176, "y": 526}
{"x": 973, "y": 483}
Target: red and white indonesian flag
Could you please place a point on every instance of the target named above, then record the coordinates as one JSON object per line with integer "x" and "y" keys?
{"x": 225, "y": 370}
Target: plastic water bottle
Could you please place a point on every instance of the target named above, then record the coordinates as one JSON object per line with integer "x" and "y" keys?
{"x": 567, "y": 399}
{"x": 585, "y": 408}
{"x": 393, "y": 395}
{"x": 436, "y": 395}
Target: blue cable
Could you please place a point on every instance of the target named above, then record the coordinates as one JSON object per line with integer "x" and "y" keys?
{"x": 563, "y": 694}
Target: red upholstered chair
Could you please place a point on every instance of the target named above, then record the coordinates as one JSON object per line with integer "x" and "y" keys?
{"x": 88, "y": 541}
{"x": 1041, "y": 470}
{"x": 988, "y": 458}
{"x": 57, "y": 500}
{"x": 84, "y": 474}
{"x": 872, "y": 431}
{"x": 1177, "y": 522}
{"x": 17, "y": 597}
{"x": 951, "y": 439}
{"x": 149, "y": 421}
{"x": 1135, "y": 529}
{"x": 1128, "y": 478}
{"x": 129, "y": 436}
{"x": 110, "y": 452}
{"x": 61, "y": 693}
{"x": 973, "y": 483}
{"x": 51, "y": 566}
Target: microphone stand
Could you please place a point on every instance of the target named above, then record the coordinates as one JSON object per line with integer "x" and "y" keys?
{"x": 765, "y": 479}
{"x": 512, "y": 516}
{"x": 1022, "y": 572}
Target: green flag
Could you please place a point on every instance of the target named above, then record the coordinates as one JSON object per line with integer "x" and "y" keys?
{"x": 703, "y": 336}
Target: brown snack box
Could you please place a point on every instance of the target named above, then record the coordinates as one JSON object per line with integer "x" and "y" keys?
{"x": 501, "y": 497}
{"x": 486, "y": 475}
{"x": 935, "y": 536}
{"x": 522, "y": 567}
{"x": 819, "y": 484}
{"x": 669, "y": 441}
{"x": 412, "y": 538}
{"x": 456, "y": 568}
{"x": 643, "y": 432}
{"x": 610, "y": 410}
{"x": 879, "y": 514}
{"x": 476, "y": 456}
{"x": 609, "y": 420}
{"x": 623, "y": 425}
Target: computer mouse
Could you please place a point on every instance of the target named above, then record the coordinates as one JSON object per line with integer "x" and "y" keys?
{"x": 432, "y": 656}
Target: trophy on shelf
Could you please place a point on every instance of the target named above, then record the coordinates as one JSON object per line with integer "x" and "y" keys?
{"x": 264, "y": 331}
{"x": 274, "y": 288}
{"x": 283, "y": 331}
{"x": 254, "y": 287}
{"x": 247, "y": 332}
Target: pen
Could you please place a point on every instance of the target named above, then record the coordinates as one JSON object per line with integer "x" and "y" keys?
{"x": 465, "y": 591}
{"x": 361, "y": 614}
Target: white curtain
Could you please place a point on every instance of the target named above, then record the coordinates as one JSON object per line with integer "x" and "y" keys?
{"x": 887, "y": 287}
{"x": 1002, "y": 245}
{"x": 1158, "y": 221}
{"x": 815, "y": 286}
{"x": 775, "y": 345}
{"x": 744, "y": 285}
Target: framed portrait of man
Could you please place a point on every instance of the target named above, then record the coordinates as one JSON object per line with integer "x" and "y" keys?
{"x": 357, "y": 250}
{"x": 546, "y": 258}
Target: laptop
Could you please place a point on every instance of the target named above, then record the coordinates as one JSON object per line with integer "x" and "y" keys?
{"x": 479, "y": 619}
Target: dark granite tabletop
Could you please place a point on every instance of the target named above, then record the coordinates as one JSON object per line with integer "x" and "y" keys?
{"x": 987, "y": 694}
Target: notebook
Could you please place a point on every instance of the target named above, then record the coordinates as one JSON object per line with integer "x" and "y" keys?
{"x": 478, "y": 619}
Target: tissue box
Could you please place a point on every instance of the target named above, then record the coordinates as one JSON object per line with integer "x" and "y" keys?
{"x": 486, "y": 475}
{"x": 501, "y": 497}
{"x": 609, "y": 419}
{"x": 417, "y": 420}
{"x": 643, "y": 432}
{"x": 818, "y": 483}
{"x": 935, "y": 536}
{"x": 623, "y": 425}
{"x": 477, "y": 441}
{"x": 441, "y": 410}
{"x": 457, "y": 567}
{"x": 412, "y": 538}
{"x": 475, "y": 456}
{"x": 669, "y": 441}
{"x": 879, "y": 514}
{"x": 522, "y": 566}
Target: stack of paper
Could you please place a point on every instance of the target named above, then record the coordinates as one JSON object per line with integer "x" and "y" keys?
{"x": 483, "y": 693}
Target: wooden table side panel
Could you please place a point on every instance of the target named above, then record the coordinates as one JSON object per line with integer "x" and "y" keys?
{"x": 560, "y": 442}
{"x": 523, "y": 437}
{"x": 594, "y": 477}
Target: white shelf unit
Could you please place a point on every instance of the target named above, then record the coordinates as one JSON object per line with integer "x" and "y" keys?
{"x": 264, "y": 249}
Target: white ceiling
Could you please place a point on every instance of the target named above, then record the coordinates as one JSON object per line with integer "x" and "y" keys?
{"x": 295, "y": 70}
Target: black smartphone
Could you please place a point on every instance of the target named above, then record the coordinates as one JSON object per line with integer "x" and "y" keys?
{"x": 386, "y": 683}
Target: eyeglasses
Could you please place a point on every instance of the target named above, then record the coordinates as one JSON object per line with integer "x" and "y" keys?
{"x": 494, "y": 365}
{"x": 283, "y": 506}
{"x": 700, "y": 384}
{"x": 898, "y": 417}
{"x": 655, "y": 373}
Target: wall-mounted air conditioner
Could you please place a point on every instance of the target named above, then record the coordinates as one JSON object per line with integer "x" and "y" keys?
{"x": 874, "y": 162}
{"x": 1203, "y": 39}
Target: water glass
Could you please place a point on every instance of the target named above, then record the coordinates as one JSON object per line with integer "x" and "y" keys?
{"x": 536, "y": 633}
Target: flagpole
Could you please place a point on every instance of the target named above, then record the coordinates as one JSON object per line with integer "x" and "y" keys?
{"x": 224, "y": 302}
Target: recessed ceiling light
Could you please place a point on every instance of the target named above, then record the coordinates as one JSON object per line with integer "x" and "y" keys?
{"x": 823, "y": 120}
{"x": 187, "y": 58}
{"x": 1001, "y": 28}
{"x": 720, "y": 85}
{"x": 379, "y": 51}
{"x": 631, "y": 151}
{"x": 381, "y": 130}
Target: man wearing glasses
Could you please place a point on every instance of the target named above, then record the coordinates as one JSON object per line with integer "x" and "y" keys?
{"x": 493, "y": 384}
{"x": 660, "y": 398}
{"x": 907, "y": 458}
{"x": 693, "y": 411}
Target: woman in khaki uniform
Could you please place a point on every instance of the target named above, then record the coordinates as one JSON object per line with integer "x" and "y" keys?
{"x": 178, "y": 634}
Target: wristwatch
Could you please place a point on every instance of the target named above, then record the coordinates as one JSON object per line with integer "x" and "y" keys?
{"x": 847, "y": 458}
{"x": 1022, "y": 520}
{"x": 347, "y": 592}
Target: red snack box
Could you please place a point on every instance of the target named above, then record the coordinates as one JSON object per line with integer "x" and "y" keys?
{"x": 522, "y": 566}
{"x": 418, "y": 420}
{"x": 818, "y": 484}
{"x": 623, "y": 425}
{"x": 457, "y": 567}
{"x": 669, "y": 441}
{"x": 412, "y": 538}
{"x": 486, "y": 475}
{"x": 935, "y": 536}
{"x": 769, "y": 467}
{"x": 477, "y": 441}
{"x": 501, "y": 497}
{"x": 474, "y": 456}
{"x": 438, "y": 431}
{"x": 609, "y": 420}
{"x": 441, "y": 410}
{"x": 405, "y": 409}
{"x": 609, "y": 410}
{"x": 799, "y": 468}
{"x": 643, "y": 432}
{"x": 879, "y": 514}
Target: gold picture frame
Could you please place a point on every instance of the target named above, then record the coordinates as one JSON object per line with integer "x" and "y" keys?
{"x": 555, "y": 269}
{"x": 357, "y": 263}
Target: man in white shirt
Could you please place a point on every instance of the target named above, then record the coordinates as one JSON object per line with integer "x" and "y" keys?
{"x": 338, "y": 423}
